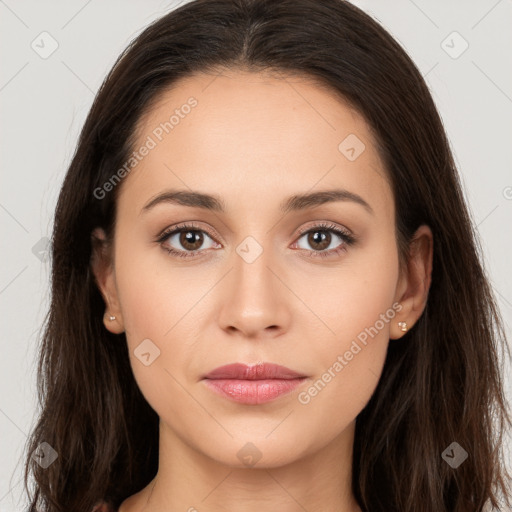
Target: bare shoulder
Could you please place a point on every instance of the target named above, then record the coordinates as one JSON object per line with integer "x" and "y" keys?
{"x": 103, "y": 506}
{"x": 132, "y": 503}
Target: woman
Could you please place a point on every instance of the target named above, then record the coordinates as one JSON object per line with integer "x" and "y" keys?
{"x": 266, "y": 287}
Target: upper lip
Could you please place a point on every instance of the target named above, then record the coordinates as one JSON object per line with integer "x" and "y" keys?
{"x": 258, "y": 371}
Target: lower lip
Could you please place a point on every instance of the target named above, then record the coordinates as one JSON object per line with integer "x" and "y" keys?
{"x": 253, "y": 391}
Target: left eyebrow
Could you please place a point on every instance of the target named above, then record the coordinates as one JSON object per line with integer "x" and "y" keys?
{"x": 304, "y": 201}
{"x": 296, "y": 202}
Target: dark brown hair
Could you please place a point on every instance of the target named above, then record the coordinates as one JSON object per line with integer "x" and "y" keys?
{"x": 441, "y": 382}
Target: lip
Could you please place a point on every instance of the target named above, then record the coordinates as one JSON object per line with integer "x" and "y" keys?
{"x": 258, "y": 371}
{"x": 255, "y": 384}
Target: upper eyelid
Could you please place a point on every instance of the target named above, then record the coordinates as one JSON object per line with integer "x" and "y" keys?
{"x": 182, "y": 226}
{"x": 325, "y": 225}
{"x": 191, "y": 225}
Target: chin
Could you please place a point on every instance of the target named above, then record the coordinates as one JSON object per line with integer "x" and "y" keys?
{"x": 258, "y": 452}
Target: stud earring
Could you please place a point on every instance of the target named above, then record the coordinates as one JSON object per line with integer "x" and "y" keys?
{"x": 403, "y": 326}
{"x": 111, "y": 318}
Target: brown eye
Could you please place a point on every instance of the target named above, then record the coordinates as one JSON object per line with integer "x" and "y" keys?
{"x": 191, "y": 240}
{"x": 319, "y": 239}
{"x": 185, "y": 241}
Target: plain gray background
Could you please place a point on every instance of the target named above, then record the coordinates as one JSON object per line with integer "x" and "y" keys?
{"x": 44, "y": 102}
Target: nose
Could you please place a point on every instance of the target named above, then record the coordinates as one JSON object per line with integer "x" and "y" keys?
{"x": 255, "y": 300}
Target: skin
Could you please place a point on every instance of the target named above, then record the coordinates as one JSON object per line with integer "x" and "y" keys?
{"x": 255, "y": 139}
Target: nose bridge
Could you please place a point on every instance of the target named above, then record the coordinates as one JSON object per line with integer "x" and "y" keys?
{"x": 253, "y": 299}
{"x": 252, "y": 275}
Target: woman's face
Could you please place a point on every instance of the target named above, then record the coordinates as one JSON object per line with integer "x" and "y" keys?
{"x": 266, "y": 277}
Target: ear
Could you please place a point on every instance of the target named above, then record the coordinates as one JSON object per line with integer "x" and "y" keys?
{"x": 414, "y": 282}
{"x": 102, "y": 266}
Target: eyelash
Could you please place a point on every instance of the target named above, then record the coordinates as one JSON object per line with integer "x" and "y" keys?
{"x": 347, "y": 238}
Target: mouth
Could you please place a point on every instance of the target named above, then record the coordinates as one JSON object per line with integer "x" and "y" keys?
{"x": 253, "y": 385}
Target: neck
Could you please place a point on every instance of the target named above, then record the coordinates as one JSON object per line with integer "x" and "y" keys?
{"x": 188, "y": 480}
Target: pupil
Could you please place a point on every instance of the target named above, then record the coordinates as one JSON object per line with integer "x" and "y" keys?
{"x": 188, "y": 238}
{"x": 322, "y": 241}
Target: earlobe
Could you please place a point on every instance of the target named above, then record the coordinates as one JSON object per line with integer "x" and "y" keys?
{"x": 113, "y": 323}
{"x": 398, "y": 328}
{"x": 103, "y": 270}
{"x": 415, "y": 283}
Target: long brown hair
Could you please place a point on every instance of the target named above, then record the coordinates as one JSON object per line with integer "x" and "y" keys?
{"x": 441, "y": 382}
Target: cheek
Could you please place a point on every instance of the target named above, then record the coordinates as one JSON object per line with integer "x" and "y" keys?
{"x": 356, "y": 304}
{"x": 349, "y": 369}
{"x": 159, "y": 304}
{"x": 149, "y": 313}
{"x": 155, "y": 296}
{"x": 350, "y": 297}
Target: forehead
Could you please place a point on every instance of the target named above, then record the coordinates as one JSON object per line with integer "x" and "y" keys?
{"x": 250, "y": 137}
